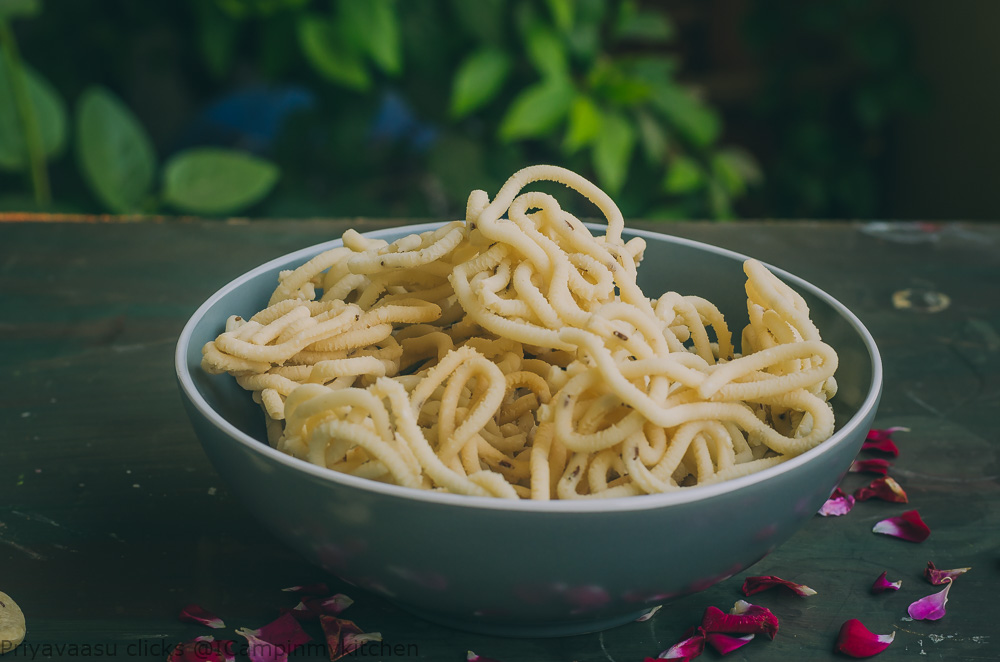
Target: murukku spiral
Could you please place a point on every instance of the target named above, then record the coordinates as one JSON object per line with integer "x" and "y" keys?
{"x": 514, "y": 355}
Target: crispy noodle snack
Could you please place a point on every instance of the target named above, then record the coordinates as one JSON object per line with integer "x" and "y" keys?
{"x": 513, "y": 355}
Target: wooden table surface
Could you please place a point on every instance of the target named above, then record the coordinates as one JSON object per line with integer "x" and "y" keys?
{"x": 112, "y": 519}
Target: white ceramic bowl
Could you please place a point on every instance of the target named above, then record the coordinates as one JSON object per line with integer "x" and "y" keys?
{"x": 530, "y": 568}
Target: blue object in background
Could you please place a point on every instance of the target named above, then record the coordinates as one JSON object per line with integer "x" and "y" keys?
{"x": 396, "y": 121}
{"x": 250, "y": 118}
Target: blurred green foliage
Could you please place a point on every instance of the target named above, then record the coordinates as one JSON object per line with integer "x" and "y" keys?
{"x": 494, "y": 84}
{"x": 836, "y": 75}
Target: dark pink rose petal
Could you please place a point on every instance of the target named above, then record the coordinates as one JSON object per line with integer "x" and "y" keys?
{"x": 274, "y": 641}
{"x": 858, "y": 641}
{"x": 688, "y": 648}
{"x": 881, "y": 441}
{"x": 649, "y": 614}
{"x": 930, "y": 608}
{"x": 757, "y": 584}
{"x": 872, "y": 466}
{"x": 727, "y": 643}
{"x": 885, "y": 488}
{"x": 203, "y": 649}
{"x": 882, "y": 584}
{"x": 938, "y": 577}
{"x": 838, "y": 504}
{"x": 198, "y": 614}
{"x": 907, "y": 526}
{"x": 472, "y": 657}
{"x": 744, "y": 618}
{"x": 308, "y": 589}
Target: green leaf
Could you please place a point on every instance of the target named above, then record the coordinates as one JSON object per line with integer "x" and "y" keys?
{"x": 692, "y": 119}
{"x": 19, "y": 8}
{"x": 585, "y": 36}
{"x": 330, "y": 54}
{"x": 209, "y": 180}
{"x": 735, "y": 168}
{"x": 584, "y": 124}
{"x": 478, "y": 80}
{"x": 49, "y": 111}
{"x": 537, "y": 110}
{"x": 684, "y": 175}
{"x": 652, "y": 137}
{"x": 719, "y": 202}
{"x": 115, "y": 154}
{"x": 636, "y": 25}
{"x": 562, "y": 13}
{"x": 373, "y": 26}
{"x": 546, "y": 51}
{"x": 613, "y": 151}
{"x": 482, "y": 18}
{"x": 217, "y": 32}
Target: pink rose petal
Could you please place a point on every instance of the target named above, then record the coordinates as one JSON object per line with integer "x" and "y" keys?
{"x": 309, "y": 609}
{"x": 308, "y": 589}
{"x": 649, "y": 614}
{"x": 744, "y": 618}
{"x": 203, "y": 649}
{"x": 881, "y": 441}
{"x": 198, "y": 614}
{"x": 907, "y": 526}
{"x": 858, "y": 641}
{"x": 938, "y": 577}
{"x": 688, "y": 648}
{"x": 727, "y": 643}
{"x": 872, "y": 466}
{"x": 885, "y": 488}
{"x": 930, "y": 608}
{"x": 838, "y": 504}
{"x": 472, "y": 657}
{"x": 274, "y": 641}
{"x": 882, "y": 584}
{"x": 355, "y": 640}
{"x": 757, "y": 584}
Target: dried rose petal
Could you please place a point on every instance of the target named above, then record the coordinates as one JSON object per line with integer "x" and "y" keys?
{"x": 649, "y": 614}
{"x": 882, "y": 584}
{"x": 727, "y": 643}
{"x": 688, "y": 648}
{"x": 881, "y": 440}
{"x": 198, "y": 614}
{"x": 757, "y": 584}
{"x": 203, "y": 649}
{"x": 872, "y": 466}
{"x": 308, "y": 589}
{"x": 274, "y": 641}
{"x": 938, "y": 577}
{"x": 930, "y": 608}
{"x": 338, "y": 632}
{"x": 838, "y": 504}
{"x": 907, "y": 526}
{"x": 885, "y": 488}
{"x": 472, "y": 657}
{"x": 858, "y": 641}
{"x": 744, "y": 618}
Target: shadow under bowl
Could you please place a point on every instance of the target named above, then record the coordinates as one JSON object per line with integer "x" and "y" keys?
{"x": 526, "y": 568}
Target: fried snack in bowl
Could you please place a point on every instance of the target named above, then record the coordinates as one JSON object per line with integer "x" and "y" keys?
{"x": 492, "y": 424}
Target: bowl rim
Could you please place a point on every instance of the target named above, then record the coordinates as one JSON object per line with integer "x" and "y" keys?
{"x": 605, "y": 505}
